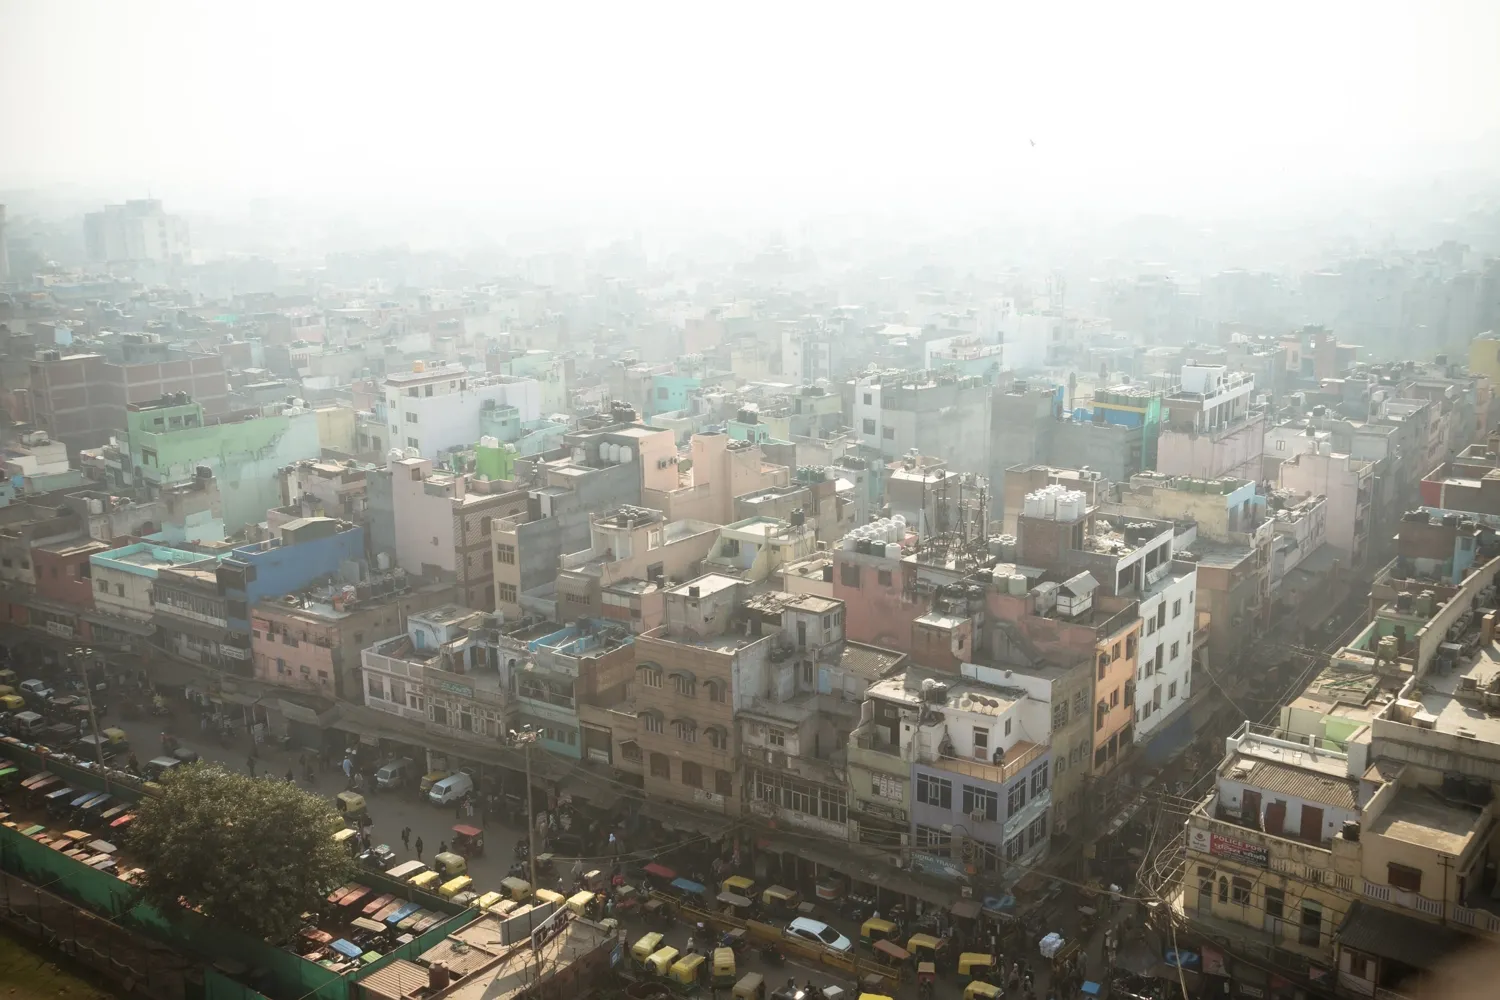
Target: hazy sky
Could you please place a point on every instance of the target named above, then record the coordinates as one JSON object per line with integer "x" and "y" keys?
{"x": 1126, "y": 102}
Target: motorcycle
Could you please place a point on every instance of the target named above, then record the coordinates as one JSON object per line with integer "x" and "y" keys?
{"x": 771, "y": 954}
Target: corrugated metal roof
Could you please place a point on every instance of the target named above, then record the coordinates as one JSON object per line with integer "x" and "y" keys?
{"x": 1308, "y": 785}
{"x": 1408, "y": 940}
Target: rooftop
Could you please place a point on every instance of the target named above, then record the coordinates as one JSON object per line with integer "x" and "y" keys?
{"x": 145, "y": 558}
{"x": 705, "y": 586}
{"x": 1447, "y": 697}
{"x": 1417, "y": 816}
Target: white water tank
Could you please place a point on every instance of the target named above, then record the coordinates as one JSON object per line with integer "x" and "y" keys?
{"x": 413, "y": 453}
{"x": 1018, "y": 584}
{"x": 489, "y": 441}
{"x": 849, "y": 541}
{"x": 626, "y": 455}
{"x": 394, "y": 455}
{"x": 382, "y": 561}
{"x": 96, "y": 506}
{"x": 893, "y": 551}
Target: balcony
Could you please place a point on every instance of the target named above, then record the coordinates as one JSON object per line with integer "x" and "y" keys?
{"x": 875, "y": 743}
{"x": 1021, "y": 756}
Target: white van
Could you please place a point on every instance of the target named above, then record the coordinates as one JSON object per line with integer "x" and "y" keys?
{"x": 451, "y": 789}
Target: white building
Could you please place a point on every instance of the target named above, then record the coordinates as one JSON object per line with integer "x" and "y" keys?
{"x": 1164, "y": 669}
{"x": 437, "y": 409}
{"x": 136, "y": 230}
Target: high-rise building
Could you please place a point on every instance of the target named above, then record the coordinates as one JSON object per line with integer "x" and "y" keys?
{"x": 135, "y": 231}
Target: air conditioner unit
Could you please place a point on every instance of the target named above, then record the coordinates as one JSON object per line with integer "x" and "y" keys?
{"x": 977, "y": 816}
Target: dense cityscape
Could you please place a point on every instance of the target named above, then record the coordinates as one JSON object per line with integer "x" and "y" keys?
{"x": 579, "y": 592}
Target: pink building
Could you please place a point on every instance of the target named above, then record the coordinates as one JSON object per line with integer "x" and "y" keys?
{"x": 721, "y": 470}
{"x": 1211, "y": 427}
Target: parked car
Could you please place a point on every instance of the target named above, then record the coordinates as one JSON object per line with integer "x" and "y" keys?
{"x": 36, "y": 691}
{"x": 451, "y": 789}
{"x": 395, "y": 773}
{"x": 817, "y": 932}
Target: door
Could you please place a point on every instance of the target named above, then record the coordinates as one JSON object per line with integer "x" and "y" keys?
{"x": 1276, "y": 817}
{"x": 1312, "y": 824}
{"x": 1250, "y": 809}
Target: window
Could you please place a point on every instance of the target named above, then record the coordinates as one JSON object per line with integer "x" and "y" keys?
{"x": 650, "y": 722}
{"x": 685, "y": 686}
{"x": 411, "y": 418}
{"x": 1114, "y": 653}
{"x": 1151, "y": 625}
{"x": 1114, "y": 698}
{"x": 103, "y": 586}
{"x": 1402, "y": 877}
{"x": 723, "y": 783}
{"x": 507, "y": 593}
{"x": 692, "y": 774}
{"x": 1015, "y": 847}
{"x": 1015, "y": 797}
{"x": 119, "y": 590}
{"x": 1176, "y": 650}
{"x": 883, "y": 577}
{"x": 1130, "y": 647}
{"x": 981, "y": 802}
{"x": 650, "y": 677}
{"x": 484, "y": 526}
{"x": 1103, "y": 664}
{"x": 1039, "y": 781}
{"x": 1101, "y": 756}
{"x": 888, "y": 433}
{"x": 934, "y": 840}
{"x": 775, "y": 737}
{"x": 1172, "y": 690}
{"x": 935, "y": 791}
{"x": 411, "y": 442}
{"x": 1059, "y": 715}
{"x": 1275, "y": 902}
{"x": 715, "y": 691}
{"x": 807, "y": 674}
{"x": 1037, "y": 831}
{"x": 1161, "y": 615}
{"x": 1177, "y": 608}
{"x": 869, "y": 399}
{"x": 849, "y": 574}
{"x": 869, "y": 426}
{"x": 506, "y": 554}
{"x": 427, "y": 391}
{"x": 661, "y": 767}
{"x": 1223, "y": 889}
{"x": 630, "y": 750}
{"x": 661, "y": 392}
{"x": 982, "y": 743}
{"x": 1007, "y": 727}
{"x": 718, "y": 738}
{"x": 1239, "y": 891}
{"x": 687, "y": 730}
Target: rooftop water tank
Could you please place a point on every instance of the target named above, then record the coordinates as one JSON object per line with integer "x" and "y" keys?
{"x": 1017, "y": 584}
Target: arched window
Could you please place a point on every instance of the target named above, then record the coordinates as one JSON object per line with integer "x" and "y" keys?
{"x": 684, "y": 683}
{"x": 718, "y": 737}
{"x": 715, "y": 690}
{"x": 650, "y": 722}
{"x": 687, "y": 730}
{"x": 649, "y": 674}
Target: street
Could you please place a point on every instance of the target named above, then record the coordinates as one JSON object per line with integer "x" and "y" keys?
{"x": 391, "y": 812}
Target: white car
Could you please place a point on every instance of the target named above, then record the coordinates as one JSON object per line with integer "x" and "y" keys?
{"x": 817, "y": 932}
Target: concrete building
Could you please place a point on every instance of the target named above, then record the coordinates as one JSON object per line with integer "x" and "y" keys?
{"x": 172, "y": 441}
{"x": 443, "y": 522}
{"x": 138, "y": 230}
{"x": 558, "y": 669}
{"x": 306, "y": 641}
{"x": 80, "y": 399}
{"x": 1349, "y": 486}
{"x": 125, "y": 583}
{"x": 1212, "y": 425}
{"x": 340, "y": 489}
{"x": 444, "y": 674}
{"x": 936, "y": 414}
{"x": 720, "y": 469}
{"x": 192, "y": 619}
{"x": 309, "y": 549}
{"x": 757, "y": 548}
{"x": 812, "y": 501}
{"x": 437, "y": 409}
{"x": 630, "y": 543}
{"x": 1028, "y": 478}
{"x": 676, "y": 728}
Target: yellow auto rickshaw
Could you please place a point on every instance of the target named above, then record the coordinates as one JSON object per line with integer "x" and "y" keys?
{"x": 740, "y": 885}
{"x": 644, "y": 948}
{"x": 550, "y": 896}
{"x": 431, "y": 778}
{"x": 504, "y": 908}
{"x": 659, "y": 962}
{"x": 351, "y": 806}
{"x": 873, "y": 996}
{"x": 454, "y": 886}
{"x": 345, "y": 838}
{"x": 12, "y": 702}
{"x": 735, "y": 905}
{"x": 752, "y": 986}
{"x": 974, "y": 965}
{"x": 579, "y": 902}
{"x": 780, "y": 900}
{"x": 981, "y": 990}
{"x": 517, "y": 889}
{"x": 724, "y": 972}
{"x": 8, "y": 677}
{"x": 487, "y": 900}
{"x": 425, "y": 881}
{"x": 450, "y": 865}
{"x": 875, "y": 929}
{"x": 688, "y": 970}
{"x": 923, "y": 947}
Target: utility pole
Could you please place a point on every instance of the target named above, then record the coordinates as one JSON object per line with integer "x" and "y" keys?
{"x": 81, "y": 656}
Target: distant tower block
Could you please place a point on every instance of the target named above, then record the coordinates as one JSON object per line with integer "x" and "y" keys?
{"x": 4, "y": 253}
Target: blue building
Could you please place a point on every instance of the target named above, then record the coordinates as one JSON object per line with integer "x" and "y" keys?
{"x": 309, "y": 549}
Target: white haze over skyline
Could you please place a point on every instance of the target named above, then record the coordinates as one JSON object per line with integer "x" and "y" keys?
{"x": 1147, "y": 106}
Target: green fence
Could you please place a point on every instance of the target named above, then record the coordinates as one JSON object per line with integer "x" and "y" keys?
{"x": 82, "y": 778}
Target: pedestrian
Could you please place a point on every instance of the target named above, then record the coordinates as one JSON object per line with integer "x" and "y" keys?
{"x": 250, "y": 764}
{"x": 406, "y": 838}
{"x": 290, "y": 777}
{"x": 419, "y": 847}
{"x": 458, "y": 813}
{"x": 442, "y": 847}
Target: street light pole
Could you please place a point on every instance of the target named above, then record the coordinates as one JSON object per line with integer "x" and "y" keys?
{"x": 530, "y": 823}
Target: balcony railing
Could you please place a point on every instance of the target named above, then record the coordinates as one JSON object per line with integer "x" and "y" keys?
{"x": 997, "y": 773}
{"x": 1479, "y": 920}
{"x": 877, "y": 744}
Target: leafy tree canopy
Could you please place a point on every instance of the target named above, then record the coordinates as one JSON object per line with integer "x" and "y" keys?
{"x": 251, "y": 852}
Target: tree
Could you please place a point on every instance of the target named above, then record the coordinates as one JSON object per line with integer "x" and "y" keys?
{"x": 250, "y": 852}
